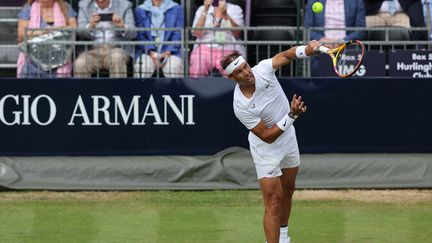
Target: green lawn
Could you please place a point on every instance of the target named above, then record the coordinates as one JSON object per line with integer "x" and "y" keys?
{"x": 210, "y": 216}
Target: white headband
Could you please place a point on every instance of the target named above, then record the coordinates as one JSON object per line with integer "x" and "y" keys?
{"x": 234, "y": 64}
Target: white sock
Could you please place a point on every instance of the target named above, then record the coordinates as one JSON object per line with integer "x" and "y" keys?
{"x": 283, "y": 233}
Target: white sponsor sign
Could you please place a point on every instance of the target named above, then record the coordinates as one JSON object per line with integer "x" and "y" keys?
{"x": 97, "y": 110}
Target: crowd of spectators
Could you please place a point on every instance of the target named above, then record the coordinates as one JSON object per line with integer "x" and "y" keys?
{"x": 340, "y": 14}
{"x": 106, "y": 21}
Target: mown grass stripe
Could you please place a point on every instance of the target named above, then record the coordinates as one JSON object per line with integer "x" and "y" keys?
{"x": 212, "y": 216}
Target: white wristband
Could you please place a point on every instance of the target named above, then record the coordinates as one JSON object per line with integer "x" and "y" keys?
{"x": 301, "y": 52}
{"x": 285, "y": 122}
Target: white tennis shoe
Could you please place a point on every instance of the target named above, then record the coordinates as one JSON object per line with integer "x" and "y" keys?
{"x": 286, "y": 240}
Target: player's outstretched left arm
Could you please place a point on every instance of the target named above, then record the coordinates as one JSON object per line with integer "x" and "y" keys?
{"x": 295, "y": 52}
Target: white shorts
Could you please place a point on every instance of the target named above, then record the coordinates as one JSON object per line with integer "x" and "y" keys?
{"x": 271, "y": 158}
{"x": 269, "y": 171}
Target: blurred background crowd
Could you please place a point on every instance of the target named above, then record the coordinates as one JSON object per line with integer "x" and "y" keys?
{"x": 187, "y": 38}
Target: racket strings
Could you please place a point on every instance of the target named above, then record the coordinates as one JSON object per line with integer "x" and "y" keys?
{"x": 348, "y": 59}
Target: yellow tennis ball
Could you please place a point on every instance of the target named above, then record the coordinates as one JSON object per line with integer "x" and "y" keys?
{"x": 317, "y": 7}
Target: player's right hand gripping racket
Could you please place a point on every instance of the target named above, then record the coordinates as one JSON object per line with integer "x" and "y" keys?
{"x": 346, "y": 58}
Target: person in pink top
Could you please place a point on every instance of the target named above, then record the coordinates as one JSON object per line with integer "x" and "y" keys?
{"x": 214, "y": 14}
{"x": 42, "y": 14}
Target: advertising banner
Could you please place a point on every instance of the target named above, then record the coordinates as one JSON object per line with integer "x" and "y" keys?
{"x": 195, "y": 116}
{"x": 117, "y": 116}
{"x": 415, "y": 64}
{"x": 373, "y": 65}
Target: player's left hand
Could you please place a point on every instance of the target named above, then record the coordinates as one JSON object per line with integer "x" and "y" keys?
{"x": 297, "y": 105}
{"x": 312, "y": 48}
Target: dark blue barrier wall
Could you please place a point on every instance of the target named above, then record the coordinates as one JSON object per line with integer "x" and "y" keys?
{"x": 187, "y": 116}
{"x": 364, "y": 115}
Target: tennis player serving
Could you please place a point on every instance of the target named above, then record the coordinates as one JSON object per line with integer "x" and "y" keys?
{"x": 262, "y": 106}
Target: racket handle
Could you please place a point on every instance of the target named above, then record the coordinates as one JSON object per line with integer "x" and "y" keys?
{"x": 323, "y": 49}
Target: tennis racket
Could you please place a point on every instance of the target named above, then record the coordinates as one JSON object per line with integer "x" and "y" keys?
{"x": 346, "y": 58}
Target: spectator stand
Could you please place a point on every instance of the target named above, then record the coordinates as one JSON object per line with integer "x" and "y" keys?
{"x": 8, "y": 37}
{"x": 284, "y": 13}
{"x": 262, "y": 40}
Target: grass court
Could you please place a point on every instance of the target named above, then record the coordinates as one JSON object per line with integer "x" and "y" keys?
{"x": 213, "y": 216}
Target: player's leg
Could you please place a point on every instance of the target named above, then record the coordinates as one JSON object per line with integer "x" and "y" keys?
{"x": 271, "y": 189}
{"x": 288, "y": 179}
{"x": 288, "y": 186}
{"x": 289, "y": 166}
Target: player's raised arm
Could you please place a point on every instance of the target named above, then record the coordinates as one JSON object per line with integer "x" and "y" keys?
{"x": 295, "y": 52}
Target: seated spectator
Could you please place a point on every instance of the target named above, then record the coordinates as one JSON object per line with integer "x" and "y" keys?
{"x": 104, "y": 14}
{"x": 386, "y": 13}
{"x": 43, "y": 14}
{"x": 336, "y": 14}
{"x": 159, "y": 14}
{"x": 427, "y": 13}
{"x": 206, "y": 57}
{"x": 397, "y": 13}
